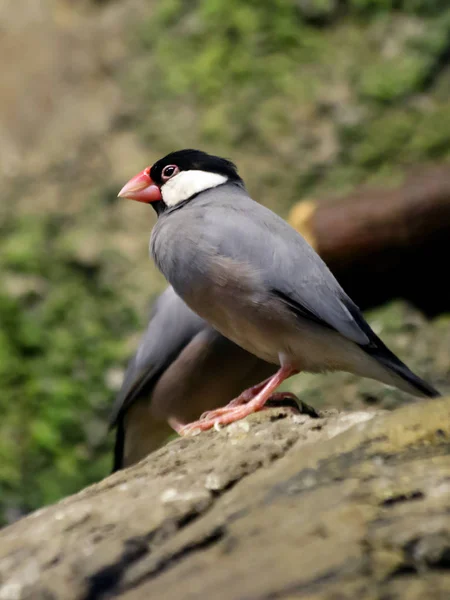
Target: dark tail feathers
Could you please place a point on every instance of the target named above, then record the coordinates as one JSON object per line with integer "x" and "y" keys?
{"x": 119, "y": 446}
{"x": 389, "y": 360}
{"x": 382, "y": 354}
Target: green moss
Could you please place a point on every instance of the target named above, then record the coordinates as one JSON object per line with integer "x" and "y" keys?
{"x": 415, "y": 7}
{"x": 392, "y": 79}
{"x": 251, "y": 78}
{"x": 430, "y": 137}
{"x": 383, "y": 139}
{"x": 309, "y": 97}
{"x": 58, "y": 339}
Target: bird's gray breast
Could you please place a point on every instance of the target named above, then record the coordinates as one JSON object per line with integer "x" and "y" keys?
{"x": 225, "y": 291}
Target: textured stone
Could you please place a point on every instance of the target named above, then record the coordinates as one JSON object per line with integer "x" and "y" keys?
{"x": 351, "y": 505}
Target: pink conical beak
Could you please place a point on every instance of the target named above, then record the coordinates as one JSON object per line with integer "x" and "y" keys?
{"x": 141, "y": 188}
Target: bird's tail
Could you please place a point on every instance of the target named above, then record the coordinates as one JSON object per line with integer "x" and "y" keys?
{"x": 402, "y": 377}
{"x": 395, "y": 371}
{"x": 119, "y": 446}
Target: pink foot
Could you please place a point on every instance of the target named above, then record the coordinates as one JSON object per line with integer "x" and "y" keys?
{"x": 241, "y": 400}
{"x": 240, "y": 407}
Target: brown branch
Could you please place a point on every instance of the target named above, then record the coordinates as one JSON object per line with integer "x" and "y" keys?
{"x": 387, "y": 243}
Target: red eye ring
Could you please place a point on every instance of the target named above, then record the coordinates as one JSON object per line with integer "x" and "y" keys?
{"x": 169, "y": 171}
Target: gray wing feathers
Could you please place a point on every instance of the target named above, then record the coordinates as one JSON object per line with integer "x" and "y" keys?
{"x": 290, "y": 266}
{"x": 172, "y": 325}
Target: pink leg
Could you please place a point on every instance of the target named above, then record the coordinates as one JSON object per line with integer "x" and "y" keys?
{"x": 249, "y": 394}
{"x": 234, "y": 412}
{"x": 243, "y": 398}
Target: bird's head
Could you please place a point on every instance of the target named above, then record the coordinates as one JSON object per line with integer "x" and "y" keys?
{"x": 179, "y": 176}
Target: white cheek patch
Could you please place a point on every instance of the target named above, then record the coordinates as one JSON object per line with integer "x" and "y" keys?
{"x": 187, "y": 184}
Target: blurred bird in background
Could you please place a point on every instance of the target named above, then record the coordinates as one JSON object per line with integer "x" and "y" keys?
{"x": 182, "y": 368}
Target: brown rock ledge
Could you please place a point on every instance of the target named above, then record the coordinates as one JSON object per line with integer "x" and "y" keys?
{"x": 351, "y": 505}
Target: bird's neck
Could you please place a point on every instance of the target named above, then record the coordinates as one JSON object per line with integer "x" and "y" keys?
{"x": 159, "y": 207}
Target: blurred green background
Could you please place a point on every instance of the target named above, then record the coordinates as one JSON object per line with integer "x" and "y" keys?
{"x": 311, "y": 98}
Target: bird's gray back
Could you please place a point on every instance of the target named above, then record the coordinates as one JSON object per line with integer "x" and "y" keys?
{"x": 223, "y": 232}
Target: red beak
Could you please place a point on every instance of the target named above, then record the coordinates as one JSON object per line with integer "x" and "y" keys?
{"x": 141, "y": 188}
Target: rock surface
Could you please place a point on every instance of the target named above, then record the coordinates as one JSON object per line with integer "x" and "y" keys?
{"x": 351, "y": 505}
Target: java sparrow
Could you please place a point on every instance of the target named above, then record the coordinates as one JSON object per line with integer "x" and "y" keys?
{"x": 182, "y": 368}
{"x": 249, "y": 274}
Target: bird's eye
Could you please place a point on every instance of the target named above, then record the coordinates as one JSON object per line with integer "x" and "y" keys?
{"x": 169, "y": 171}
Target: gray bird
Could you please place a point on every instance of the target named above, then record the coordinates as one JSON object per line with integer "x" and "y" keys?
{"x": 256, "y": 280}
{"x": 182, "y": 368}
